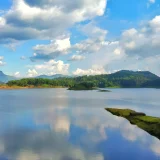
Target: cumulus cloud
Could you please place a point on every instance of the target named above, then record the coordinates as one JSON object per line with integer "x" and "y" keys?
{"x": 2, "y": 63}
{"x": 32, "y": 73}
{"x": 94, "y": 42}
{"x": 143, "y": 42}
{"x": 134, "y": 45}
{"x": 41, "y": 19}
{"x": 95, "y": 70}
{"x": 51, "y": 67}
{"x": 17, "y": 74}
{"x": 77, "y": 58}
{"x": 55, "y": 48}
{"x": 94, "y": 32}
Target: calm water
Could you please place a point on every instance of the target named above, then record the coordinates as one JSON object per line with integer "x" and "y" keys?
{"x": 56, "y": 124}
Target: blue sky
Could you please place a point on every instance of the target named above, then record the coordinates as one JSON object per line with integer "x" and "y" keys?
{"x": 81, "y": 37}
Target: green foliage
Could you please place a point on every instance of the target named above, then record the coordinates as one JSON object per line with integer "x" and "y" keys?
{"x": 147, "y": 123}
{"x": 124, "y": 79}
{"x": 83, "y": 86}
{"x": 152, "y": 84}
{"x": 120, "y": 112}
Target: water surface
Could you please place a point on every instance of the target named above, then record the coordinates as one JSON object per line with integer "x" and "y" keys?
{"x": 57, "y": 124}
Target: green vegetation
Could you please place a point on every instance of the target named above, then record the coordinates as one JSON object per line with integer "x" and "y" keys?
{"x": 40, "y": 82}
{"x": 121, "y": 79}
{"x": 82, "y": 86}
{"x": 152, "y": 84}
{"x": 147, "y": 123}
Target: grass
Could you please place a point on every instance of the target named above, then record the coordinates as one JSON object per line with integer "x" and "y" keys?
{"x": 148, "y": 123}
{"x": 120, "y": 112}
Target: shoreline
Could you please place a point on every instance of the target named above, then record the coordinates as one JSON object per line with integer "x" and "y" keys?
{"x": 5, "y": 87}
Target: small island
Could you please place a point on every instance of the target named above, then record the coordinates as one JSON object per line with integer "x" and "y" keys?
{"x": 147, "y": 123}
{"x": 82, "y": 86}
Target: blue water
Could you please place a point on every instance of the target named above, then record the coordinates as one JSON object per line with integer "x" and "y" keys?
{"x": 57, "y": 124}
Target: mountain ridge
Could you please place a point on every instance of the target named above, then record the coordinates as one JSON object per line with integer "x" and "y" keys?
{"x": 120, "y": 79}
{"x": 51, "y": 76}
{"x": 5, "y": 78}
{"x": 119, "y": 74}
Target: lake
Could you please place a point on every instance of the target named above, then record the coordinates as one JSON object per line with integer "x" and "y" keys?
{"x": 57, "y": 124}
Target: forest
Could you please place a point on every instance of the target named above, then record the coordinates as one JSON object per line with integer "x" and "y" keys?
{"x": 121, "y": 79}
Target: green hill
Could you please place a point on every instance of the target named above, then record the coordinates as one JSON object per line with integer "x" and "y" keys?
{"x": 121, "y": 79}
{"x": 152, "y": 84}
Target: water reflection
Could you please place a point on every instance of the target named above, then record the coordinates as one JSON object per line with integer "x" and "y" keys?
{"x": 66, "y": 132}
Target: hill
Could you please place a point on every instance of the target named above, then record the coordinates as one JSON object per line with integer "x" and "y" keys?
{"x": 51, "y": 77}
{"x": 152, "y": 84}
{"x": 5, "y": 78}
{"x": 127, "y": 73}
{"x": 127, "y": 78}
{"x": 121, "y": 79}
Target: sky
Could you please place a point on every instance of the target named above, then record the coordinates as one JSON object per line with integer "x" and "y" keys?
{"x": 79, "y": 37}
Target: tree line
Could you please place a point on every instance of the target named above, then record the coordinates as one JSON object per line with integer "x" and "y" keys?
{"x": 120, "y": 79}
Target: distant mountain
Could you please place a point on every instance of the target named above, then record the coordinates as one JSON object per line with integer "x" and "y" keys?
{"x": 126, "y": 73}
{"x": 125, "y": 78}
{"x": 52, "y": 76}
{"x": 120, "y": 79}
{"x": 5, "y": 78}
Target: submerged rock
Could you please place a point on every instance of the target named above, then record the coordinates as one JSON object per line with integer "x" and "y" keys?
{"x": 147, "y": 123}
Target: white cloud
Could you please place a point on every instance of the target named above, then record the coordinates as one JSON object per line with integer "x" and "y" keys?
{"x": 24, "y": 19}
{"x": 32, "y": 73}
{"x": 1, "y": 58}
{"x": 51, "y": 67}
{"x": 55, "y": 48}
{"x": 131, "y": 51}
{"x": 94, "y": 32}
{"x": 77, "y": 58}
{"x": 155, "y": 24}
{"x": 117, "y": 51}
{"x": 95, "y": 70}
{"x": 17, "y": 74}
{"x": 152, "y": 1}
{"x": 2, "y": 22}
{"x": 155, "y": 146}
{"x": 2, "y": 63}
{"x": 61, "y": 46}
{"x": 94, "y": 42}
{"x": 143, "y": 42}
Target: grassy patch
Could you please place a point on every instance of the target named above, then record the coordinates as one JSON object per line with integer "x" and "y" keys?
{"x": 147, "y": 123}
